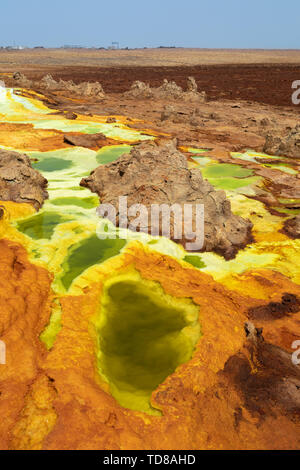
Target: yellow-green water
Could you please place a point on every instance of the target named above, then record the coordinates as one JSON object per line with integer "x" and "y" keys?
{"x": 144, "y": 334}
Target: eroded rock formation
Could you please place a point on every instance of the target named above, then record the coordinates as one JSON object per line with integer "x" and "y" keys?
{"x": 288, "y": 146}
{"x": 85, "y": 89}
{"x": 191, "y": 85}
{"x": 168, "y": 112}
{"x": 22, "y": 81}
{"x": 159, "y": 175}
{"x": 91, "y": 141}
{"x": 19, "y": 182}
{"x": 168, "y": 90}
{"x": 139, "y": 90}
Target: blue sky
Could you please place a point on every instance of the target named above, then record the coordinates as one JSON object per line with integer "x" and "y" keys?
{"x": 139, "y": 23}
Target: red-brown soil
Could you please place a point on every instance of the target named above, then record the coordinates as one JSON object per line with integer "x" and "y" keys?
{"x": 270, "y": 84}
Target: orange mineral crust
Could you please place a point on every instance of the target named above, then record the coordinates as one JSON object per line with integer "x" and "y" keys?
{"x": 25, "y": 137}
{"x": 208, "y": 402}
{"x": 237, "y": 392}
{"x": 25, "y": 297}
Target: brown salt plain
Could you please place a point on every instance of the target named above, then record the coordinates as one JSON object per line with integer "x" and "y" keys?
{"x": 255, "y": 75}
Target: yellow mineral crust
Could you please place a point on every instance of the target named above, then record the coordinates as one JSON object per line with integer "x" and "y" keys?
{"x": 11, "y": 212}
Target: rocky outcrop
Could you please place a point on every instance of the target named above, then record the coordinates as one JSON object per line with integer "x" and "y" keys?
{"x": 19, "y": 182}
{"x": 159, "y": 175}
{"x": 281, "y": 184}
{"x": 168, "y": 112}
{"x": 191, "y": 85}
{"x": 288, "y": 146}
{"x": 168, "y": 90}
{"x": 139, "y": 90}
{"x": 291, "y": 227}
{"x": 88, "y": 89}
{"x": 91, "y": 141}
{"x": 49, "y": 83}
{"x": 22, "y": 81}
{"x": 85, "y": 89}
